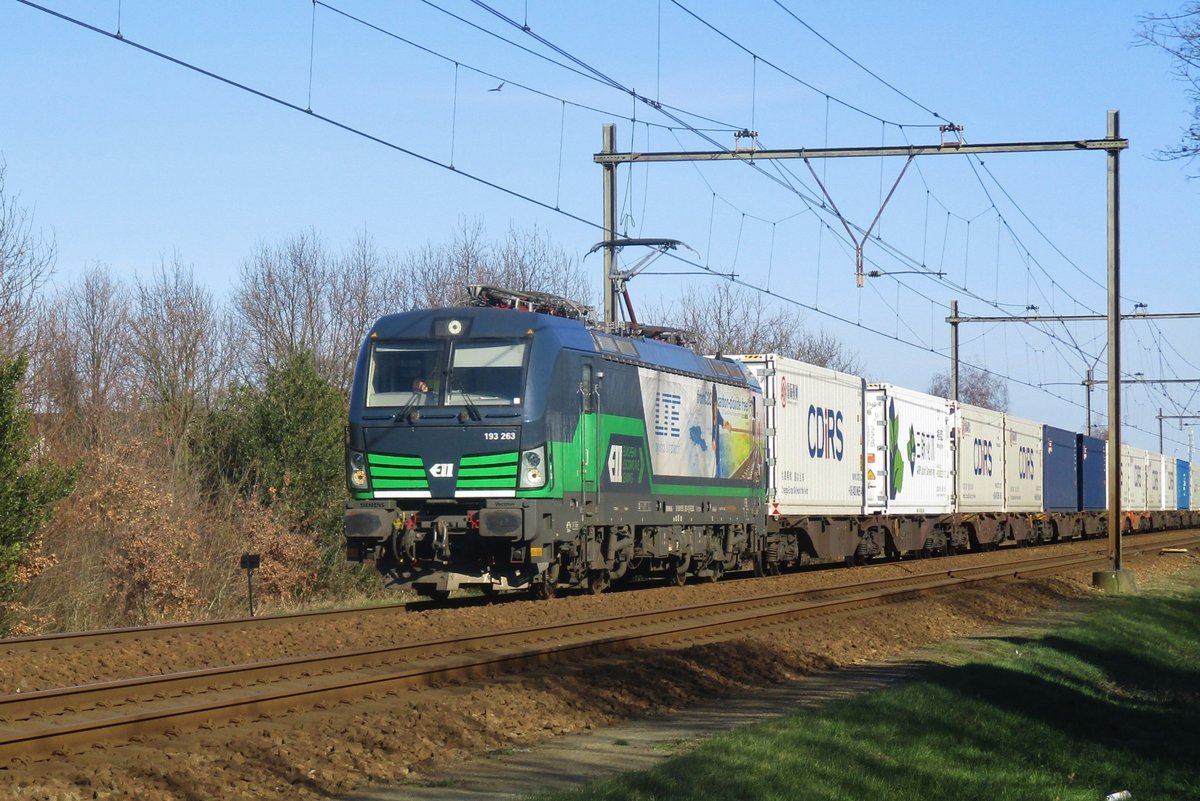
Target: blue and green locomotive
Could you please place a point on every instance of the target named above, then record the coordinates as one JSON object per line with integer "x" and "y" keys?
{"x": 511, "y": 445}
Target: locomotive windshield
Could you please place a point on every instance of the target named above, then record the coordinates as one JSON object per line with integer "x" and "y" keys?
{"x": 456, "y": 373}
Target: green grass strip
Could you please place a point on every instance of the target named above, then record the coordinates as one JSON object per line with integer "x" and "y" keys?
{"x": 1110, "y": 702}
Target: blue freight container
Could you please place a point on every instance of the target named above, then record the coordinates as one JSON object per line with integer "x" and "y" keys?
{"x": 1060, "y": 485}
{"x": 1093, "y": 470}
{"x": 1183, "y": 485}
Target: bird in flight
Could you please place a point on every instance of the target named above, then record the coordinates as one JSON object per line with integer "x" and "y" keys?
{"x": 498, "y": 88}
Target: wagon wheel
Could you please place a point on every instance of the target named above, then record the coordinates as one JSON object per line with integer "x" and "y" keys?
{"x": 677, "y": 572}
{"x": 715, "y": 571}
{"x": 598, "y": 581}
{"x": 771, "y": 559}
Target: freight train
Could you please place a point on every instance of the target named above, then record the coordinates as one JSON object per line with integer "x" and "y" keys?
{"x": 509, "y": 444}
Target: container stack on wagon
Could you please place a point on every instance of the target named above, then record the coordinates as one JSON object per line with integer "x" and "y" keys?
{"x": 934, "y": 475}
{"x": 814, "y": 447}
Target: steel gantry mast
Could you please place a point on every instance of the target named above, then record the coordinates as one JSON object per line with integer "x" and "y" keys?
{"x": 1112, "y": 145}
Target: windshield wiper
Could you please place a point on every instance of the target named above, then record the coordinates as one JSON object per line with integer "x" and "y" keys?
{"x": 406, "y": 408}
{"x": 472, "y": 411}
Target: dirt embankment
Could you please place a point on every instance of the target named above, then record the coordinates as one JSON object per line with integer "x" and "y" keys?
{"x": 315, "y": 753}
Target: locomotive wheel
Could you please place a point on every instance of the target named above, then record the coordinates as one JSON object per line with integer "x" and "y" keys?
{"x": 547, "y": 588}
{"x": 544, "y": 590}
{"x": 598, "y": 581}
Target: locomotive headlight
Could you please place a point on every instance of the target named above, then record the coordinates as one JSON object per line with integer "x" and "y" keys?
{"x": 357, "y": 469}
{"x": 533, "y": 468}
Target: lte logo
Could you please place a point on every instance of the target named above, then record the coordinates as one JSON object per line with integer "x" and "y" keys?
{"x": 442, "y": 470}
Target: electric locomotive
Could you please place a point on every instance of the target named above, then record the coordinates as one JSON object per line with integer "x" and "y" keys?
{"x": 511, "y": 444}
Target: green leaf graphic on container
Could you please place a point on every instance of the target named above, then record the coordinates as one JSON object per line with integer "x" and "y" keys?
{"x": 912, "y": 450}
{"x": 895, "y": 456}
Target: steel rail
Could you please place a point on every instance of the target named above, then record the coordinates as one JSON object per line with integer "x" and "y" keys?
{"x": 480, "y": 655}
{"x": 85, "y": 639}
{"x": 17, "y": 706}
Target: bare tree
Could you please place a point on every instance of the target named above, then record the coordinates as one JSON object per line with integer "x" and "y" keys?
{"x": 526, "y": 260}
{"x": 53, "y": 384}
{"x": 26, "y": 261}
{"x": 281, "y": 301}
{"x": 96, "y": 332}
{"x": 365, "y": 286}
{"x": 175, "y": 350}
{"x": 298, "y": 297}
{"x": 976, "y": 387}
{"x": 733, "y": 319}
{"x": 529, "y": 261}
{"x": 1179, "y": 36}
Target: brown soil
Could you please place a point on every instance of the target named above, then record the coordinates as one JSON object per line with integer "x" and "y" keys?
{"x": 315, "y": 753}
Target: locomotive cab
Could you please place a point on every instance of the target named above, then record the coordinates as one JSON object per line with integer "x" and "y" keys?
{"x": 446, "y": 450}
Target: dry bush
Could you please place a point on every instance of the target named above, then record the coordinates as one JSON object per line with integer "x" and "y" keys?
{"x": 63, "y": 596}
{"x": 288, "y": 569}
{"x": 33, "y": 563}
{"x": 124, "y": 548}
{"x": 130, "y": 548}
{"x": 289, "y": 560}
{"x": 152, "y": 539}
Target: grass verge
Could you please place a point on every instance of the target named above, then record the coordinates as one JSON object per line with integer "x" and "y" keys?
{"x": 1110, "y": 701}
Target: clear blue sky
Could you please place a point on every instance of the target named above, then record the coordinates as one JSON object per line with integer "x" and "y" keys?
{"x": 128, "y": 158}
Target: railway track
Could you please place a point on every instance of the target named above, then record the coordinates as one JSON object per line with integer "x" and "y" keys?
{"x": 90, "y": 639}
{"x": 41, "y": 724}
{"x": 65, "y": 641}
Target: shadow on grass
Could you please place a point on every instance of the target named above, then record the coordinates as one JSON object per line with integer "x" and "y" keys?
{"x": 1074, "y": 714}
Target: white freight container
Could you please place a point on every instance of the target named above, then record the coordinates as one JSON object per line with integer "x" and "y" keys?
{"x": 1194, "y": 491}
{"x": 1170, "y": 500}
{"x": 1154, "y": 480}
{"x": 1133, "y": 478}
{"x": 980, "y": 447}
{"x": 814, "y": 427}
{"x": 1022, "y": 465}
{"x": 909, "y": 460}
